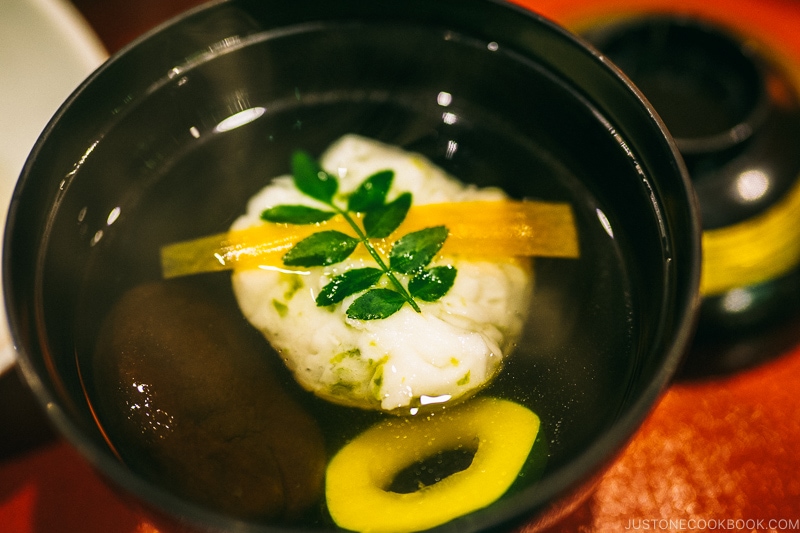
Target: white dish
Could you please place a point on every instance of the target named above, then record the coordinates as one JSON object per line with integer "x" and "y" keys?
{"x": 46, "y": 50}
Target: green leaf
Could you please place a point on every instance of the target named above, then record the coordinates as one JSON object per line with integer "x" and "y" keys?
{"x": 371, "y": 193}
{"x": 311, "y": 179}
{"x": 295, "y": 214}
{"x": 320, "y": 249}
{"x": 376, "y": 304}
{"x": 412, "y": 252}
{"x": 351, "y": 282}
{"x": 430, "y": 285}
{"x": 381, "y": 222}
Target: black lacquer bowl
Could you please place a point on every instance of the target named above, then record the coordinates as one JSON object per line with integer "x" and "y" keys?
{"x": 733, "y": 106}
{"x": 169, "y": 139}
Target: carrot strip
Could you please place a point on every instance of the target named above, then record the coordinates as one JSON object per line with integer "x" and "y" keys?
{"x": 481, "y": 229}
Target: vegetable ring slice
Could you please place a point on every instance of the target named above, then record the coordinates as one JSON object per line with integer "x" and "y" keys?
{"x": 501, "y": 432}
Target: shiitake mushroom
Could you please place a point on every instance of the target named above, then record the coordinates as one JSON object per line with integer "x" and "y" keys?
{"x": 190, "y": 400}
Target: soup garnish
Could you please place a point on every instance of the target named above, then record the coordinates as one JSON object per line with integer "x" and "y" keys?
{"x": 498, "y": 433}
{"x": 409, "y": 359}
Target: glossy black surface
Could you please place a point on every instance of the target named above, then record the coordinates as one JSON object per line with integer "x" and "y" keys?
{"x": 735, "y": 114}
{"x": 137, "y": 140}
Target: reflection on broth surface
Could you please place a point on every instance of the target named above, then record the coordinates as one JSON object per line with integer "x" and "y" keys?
{"x": 571, "y": 365}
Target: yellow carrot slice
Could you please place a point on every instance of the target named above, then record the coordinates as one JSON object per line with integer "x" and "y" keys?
{"x": 480, "y": 229}
{"x": 356, "y": 489}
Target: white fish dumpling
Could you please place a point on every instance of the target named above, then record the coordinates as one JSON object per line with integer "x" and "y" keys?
{"x": 449, "y": 350}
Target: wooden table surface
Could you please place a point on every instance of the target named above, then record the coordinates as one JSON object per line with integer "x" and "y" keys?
{"x": 716, "y": 454}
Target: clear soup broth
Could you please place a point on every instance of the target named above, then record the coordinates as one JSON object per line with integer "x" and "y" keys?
{"x": 171, "y": 173}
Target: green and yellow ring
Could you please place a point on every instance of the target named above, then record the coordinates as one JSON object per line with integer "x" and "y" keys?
{"x": 501, "y": 432}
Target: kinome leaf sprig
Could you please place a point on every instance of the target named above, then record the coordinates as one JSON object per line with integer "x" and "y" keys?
{"x": 409, "y": 255}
